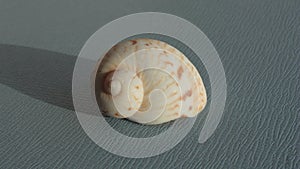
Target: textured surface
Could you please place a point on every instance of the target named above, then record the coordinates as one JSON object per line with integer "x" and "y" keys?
{"x": 258, "y": 43}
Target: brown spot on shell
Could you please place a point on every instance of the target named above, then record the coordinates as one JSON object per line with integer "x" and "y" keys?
{"x": 147, "y": 44}
{"x": 190, "y": 108}
{"x": 179, "y": 72}
{"x": 174, "y": 101}
{"x": 173, "y": 107}
{"x": 135, "y": 98}
{"x": 133, "y": 42}
{"x": 177, "y": 105}
{"x": 172, "y": 50}
{"x": 173, "y": 94}
{"x": 176, "y": 114}
{"x": 187, "y": 94}
{"x": 168, "y": 63}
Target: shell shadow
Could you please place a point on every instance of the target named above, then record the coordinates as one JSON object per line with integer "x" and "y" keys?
{"x": 41, "y": 74}
{"x": 47, "y": 76}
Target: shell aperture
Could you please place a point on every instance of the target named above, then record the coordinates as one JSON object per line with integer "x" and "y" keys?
{"x": 149, "y": 82}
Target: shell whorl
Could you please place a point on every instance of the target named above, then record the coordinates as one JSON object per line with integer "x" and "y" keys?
{"x": 150, "y": 82}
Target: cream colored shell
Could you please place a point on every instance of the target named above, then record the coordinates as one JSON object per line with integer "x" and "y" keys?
{"x": 149, "y": 82}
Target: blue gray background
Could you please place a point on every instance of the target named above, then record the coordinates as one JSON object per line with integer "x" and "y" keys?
{"x": 259, "y": 46}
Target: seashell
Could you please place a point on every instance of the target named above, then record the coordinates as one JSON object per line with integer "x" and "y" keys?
{"x": 149, "y": 82}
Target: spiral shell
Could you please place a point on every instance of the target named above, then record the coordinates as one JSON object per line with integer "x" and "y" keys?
{"x": 149, "y": 82}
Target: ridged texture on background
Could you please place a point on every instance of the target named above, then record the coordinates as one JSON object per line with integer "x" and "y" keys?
{"x": 259, "y": 46}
